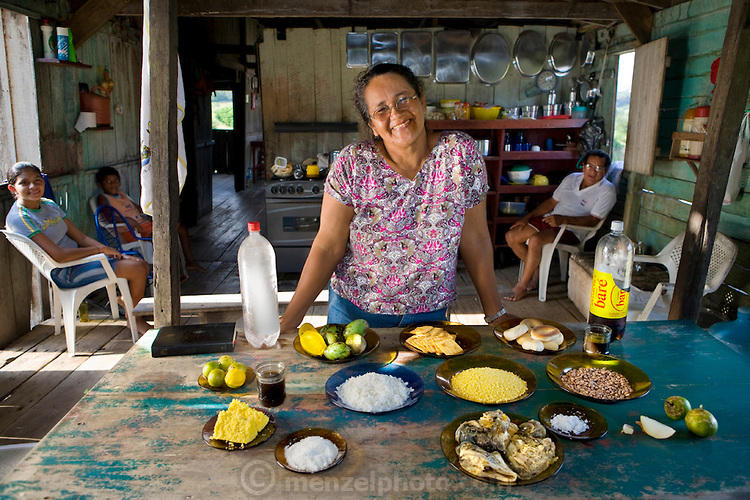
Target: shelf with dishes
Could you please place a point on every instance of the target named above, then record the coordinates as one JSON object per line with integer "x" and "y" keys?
{"x": 545, "y": 149}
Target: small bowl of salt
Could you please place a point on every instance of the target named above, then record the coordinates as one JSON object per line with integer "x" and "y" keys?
{"x": 573, "y": 421}
{"x": 311, "y": 450}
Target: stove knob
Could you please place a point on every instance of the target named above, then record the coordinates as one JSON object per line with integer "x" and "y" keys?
{"x": 316, "y": 189}
{"x": 290, "y": 190}
{"x": 300, "y": 189}
{"x": 274, "y": 189}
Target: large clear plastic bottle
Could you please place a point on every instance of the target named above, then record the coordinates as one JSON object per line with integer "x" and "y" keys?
{"x": 260, "y": 302}
{"x": 610, "y": 286}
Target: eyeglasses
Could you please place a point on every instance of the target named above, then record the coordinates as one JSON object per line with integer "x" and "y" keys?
{"x": 596, "y": 168}
{"x": 402, "y": 104}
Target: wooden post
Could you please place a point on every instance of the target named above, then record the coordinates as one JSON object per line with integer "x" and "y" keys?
{"x": 162, "y": 23}
{"x": 732, "y": 85}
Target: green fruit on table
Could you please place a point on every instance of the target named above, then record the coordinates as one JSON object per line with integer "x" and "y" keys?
{"x": 209, "y": 367}
{"x": 332, "y": 333}
{"x": 238, "y": 366}
{"x": 356, "y": 343}
{"x": 226, "y": 361}
{"x": 701, "y": 422}
{"x": 676, "y": 407}
{"x": 337, "y": 350}
{"x": 358, "y": 326}
{"x": 216, "y": 377}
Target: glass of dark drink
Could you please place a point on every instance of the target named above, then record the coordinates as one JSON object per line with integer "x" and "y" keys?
{"x": 271, "y": 383}
{"x": 596, "y": 339}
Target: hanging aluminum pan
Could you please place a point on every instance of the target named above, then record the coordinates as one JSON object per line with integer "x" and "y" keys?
{"x": 562, "y": 53}
{"x": 384, "y": 48}
{"x": 490, "y": 58}
{"x": 357, "y": 50}
{"x": 529, "y": 53}
{"x": 452, "y": 53}
{"x": 416, "y": 52}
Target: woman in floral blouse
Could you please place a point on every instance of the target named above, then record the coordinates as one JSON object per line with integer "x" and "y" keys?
{"x": 397, "y": 210}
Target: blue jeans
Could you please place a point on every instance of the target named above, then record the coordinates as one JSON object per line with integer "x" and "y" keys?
{"x": 342, "y": 311}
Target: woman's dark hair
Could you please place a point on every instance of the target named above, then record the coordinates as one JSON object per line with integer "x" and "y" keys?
{"x": 599, "y": 154}
{"x": 363, "y": 80}
{"x": 104, "y": 172}
{"x": 15, "y": 170}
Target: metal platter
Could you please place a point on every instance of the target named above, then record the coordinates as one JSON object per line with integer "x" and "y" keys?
{"x": 383, "y": 48}
{"x": 452, "y": 52}
{"x": 357, "y": 50}
{"x": 416, "y": 52}
{"x": 529, "y": 53}
{"x": 562, "y": 53}
{"x": 448, "y": 444}
{"x": 490, "y": 58}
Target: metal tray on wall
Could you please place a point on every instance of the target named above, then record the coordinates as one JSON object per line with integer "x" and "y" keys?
{"x": 529, "y": 53}
{"x": 562, "y": 53}
{"x": 357, "y": 50}
{"x": 452, "y": 53}
{"x": 416, "y": 52}
{"x": 490, "y": 58}
{"x": 383, "y": 48}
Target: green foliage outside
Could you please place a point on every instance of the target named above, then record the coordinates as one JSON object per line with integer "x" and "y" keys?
{"x": 222, "y": 117}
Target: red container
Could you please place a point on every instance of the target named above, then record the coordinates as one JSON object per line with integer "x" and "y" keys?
{"x": 99, "y": 105}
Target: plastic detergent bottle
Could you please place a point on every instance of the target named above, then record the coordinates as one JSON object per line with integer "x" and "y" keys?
{"x": 260, "y": 303}
{"x": 610, "y": 286}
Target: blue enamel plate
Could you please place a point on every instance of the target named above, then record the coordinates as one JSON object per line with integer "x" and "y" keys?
{"x": 411, "y": 379}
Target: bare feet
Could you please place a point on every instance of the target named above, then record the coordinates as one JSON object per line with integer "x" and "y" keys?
{"x": 534, "y": 283}
{"x": 194, "y": 266}
{"x": 142, "y": 325}
{"x": 519, "y": 292}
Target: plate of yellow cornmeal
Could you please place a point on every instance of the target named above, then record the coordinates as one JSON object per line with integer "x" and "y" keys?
{"x": 440, "y": 339}
{"x": 239, "y": 427}
{"x": 485, "y": 379}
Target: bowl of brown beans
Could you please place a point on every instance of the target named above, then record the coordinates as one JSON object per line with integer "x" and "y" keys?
{"x": 600, "y": 378}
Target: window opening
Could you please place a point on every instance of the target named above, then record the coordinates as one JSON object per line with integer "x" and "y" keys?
{"x": 222, "y": 110}
{"x": 625, "y": 64}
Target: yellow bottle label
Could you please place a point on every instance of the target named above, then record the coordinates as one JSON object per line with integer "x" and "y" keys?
{"x": 607, "y": 299}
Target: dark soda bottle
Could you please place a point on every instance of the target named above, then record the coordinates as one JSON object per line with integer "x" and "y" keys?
{"x": 610, "y": 285}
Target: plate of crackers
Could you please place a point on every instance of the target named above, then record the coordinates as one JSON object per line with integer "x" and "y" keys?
{"x": 535, "y": 336}
{"x": 440, "y": 339}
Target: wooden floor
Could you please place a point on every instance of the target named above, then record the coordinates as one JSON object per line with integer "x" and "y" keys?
{"x": 40, "y": 383}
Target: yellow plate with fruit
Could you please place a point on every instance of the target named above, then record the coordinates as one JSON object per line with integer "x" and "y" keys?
{"x": 334, "y": 343}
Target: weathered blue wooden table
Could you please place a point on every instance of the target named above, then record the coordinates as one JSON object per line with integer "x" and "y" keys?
{"x": 138, "y": 432}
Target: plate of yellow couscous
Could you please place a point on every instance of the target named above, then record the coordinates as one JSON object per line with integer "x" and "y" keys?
{"x": 486, "y": 379}
{"x": 239, "y": 427}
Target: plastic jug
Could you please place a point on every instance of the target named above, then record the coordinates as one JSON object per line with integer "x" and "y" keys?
{"x": 610, "y": 285}
{"x": 256, "y": 260}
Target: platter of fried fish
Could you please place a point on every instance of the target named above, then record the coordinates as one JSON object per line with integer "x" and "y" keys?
{"x": 502, "y": 448}
{"x": 440, "y": 339}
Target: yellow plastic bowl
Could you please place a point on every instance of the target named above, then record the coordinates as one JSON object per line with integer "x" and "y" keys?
{"x": 478, "y": 113}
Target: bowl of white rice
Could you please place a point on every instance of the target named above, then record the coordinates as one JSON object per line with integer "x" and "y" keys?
{"x": 374, "y": 388}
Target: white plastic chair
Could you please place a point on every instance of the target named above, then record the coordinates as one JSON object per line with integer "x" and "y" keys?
{"x": 722, "y": 257}
{"x": 67, "y": 300}
{"x": 563, "y": 251}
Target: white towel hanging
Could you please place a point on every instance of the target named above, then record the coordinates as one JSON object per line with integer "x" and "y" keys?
{"x": 741, "y": 156}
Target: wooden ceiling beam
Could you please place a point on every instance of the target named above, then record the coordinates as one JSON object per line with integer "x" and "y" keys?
{"x": 380, "y": 9}
{"x": 94, "y": 14}
{"x": 639, "y": 18}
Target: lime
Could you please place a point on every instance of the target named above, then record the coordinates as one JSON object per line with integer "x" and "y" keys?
{"x": 312, "y": 342}
{"x": 225, "y": 361}
{"x": 234, "y": 378}
{"x": 676, "y": 407}
{"x": 701, "y": 423}
{"x": 306, "y": 327}
{"x": 216, "y": 377}
{"x": 209, "y": 367}
{"x": 238, "y": 366}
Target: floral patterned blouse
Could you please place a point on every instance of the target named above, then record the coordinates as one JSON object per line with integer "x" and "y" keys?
{"x": 404, "y": 236}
